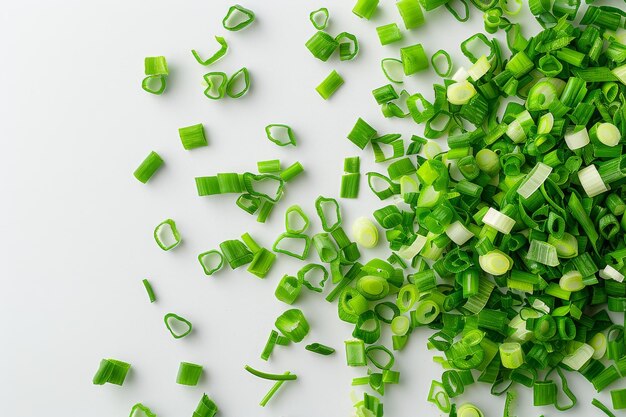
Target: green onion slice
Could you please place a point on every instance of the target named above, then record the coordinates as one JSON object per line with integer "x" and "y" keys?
{"x": 237, "y": 18}
{"x": 282, "y": 135}
{"x": 149, "y": 290}
{"x": 445, "y": 70}
{"x": 148, "y": 167}
{"x": 320, "y": 349}
{"x": 206, "y": 407}
{"x": 232, "y": 88}
{"x": 319, "y": 18}
{"x": 111, "y": 371}
{"x": 293, "y": 325}
{"x": 216, "y": 85}
{"x": 140, "y": 410}
{"x": 178, "y": 326}
{"x": 166, "y": 235}
{"x": 189, "y": 374}
{"x": 216, "y": 56}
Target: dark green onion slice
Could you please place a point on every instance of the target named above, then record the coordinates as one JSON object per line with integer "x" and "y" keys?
{"x": 445, "y": 71}
{"x": 282, "y": 135}
{"x": 286, "y": 237}
{"x": 365, "y": 8}
{"x": 320, "y": 349}
{"x": 413, "y": 58}
{"x": 349, "y": 49}
{"x": 149, "y": 290}
{"x": 411, "y": 13}
{"x": 140, "y": 410}
{"x": 288, "y": 289}
{"x": 206, "y": 407}
{"x": 178, "y": 326}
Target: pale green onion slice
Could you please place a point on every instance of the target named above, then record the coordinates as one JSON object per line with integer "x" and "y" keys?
{"x": 518, "y": 326}
{"x": 515, "y": 131}
{"x": 599, "y": 345}
{"x": 392, "y": 69}
{"x": 543, "y": 253}
{"x": 461, "y": 92}
{"x": 460, "y": 75}
{"x": 577, "y": 138}
{"x": 591, "y": 181}
{"x": 458, "y": 233}
{"x": 512, "y": 355}
{"x": 608, "y": 134}
{"x": 166, "y": 235}
{"x": 579, "y": 356}
{"x": 469, "y": 410}
{"x": 620, "y": 72}
{"x": 572, "y": 281}
{"x": 499, "y": 221}
{"x": 431, "y": 149}
{"x": 410, "y": 251}
{"x": 545, "y": 124}
{"x": 365, "y": 232}
{"x": 408, "y": 185}
{"x": 480, "y": 68}
{"x": 495, "y": 262}
{"x": 400, "y": 325}
{"x": 237, "y": 18}
{"x": 611, "y": 273}
{"x": 534, "y": 179}
{"x": 566, "y": 247}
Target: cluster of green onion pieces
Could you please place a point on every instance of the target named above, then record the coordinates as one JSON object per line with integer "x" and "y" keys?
{"x": 510, "y": 245}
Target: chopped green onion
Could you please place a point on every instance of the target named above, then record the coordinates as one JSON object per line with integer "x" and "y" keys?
{"x": 140, "y": 410}
{"x": 231, "y": 84}
{"x": 330, "y": 85}
{"x": 592, "y": 181}
{"x": 149, "y": 290}
{"x": 292, "y": 237}
{"x": 618, "y": 397}
{"x": 236, "y": 253}
{"x": 237, "y": 18}
{"x": 269, "y": 166}
{"x": 206, "y": 407}
{"x": 292, "y": 325}
{"x": 189, "y": 374}
{"x": 282, "y": 135}
{"x": 156, "y": 75}
{"x": 388, "y": 33}
{"x": 320, "y": 349}
{"x": 270, "y": 377}
{"x": 460, "y": 93}
{"x": 148, "y": 167}
{"x": 329, "y": 213}
{"x": 291, "y": 171}
{"x": 347, "y": 50}
{"x": 469, "y": 410}
{"x": 319, "y": 18}
{"x": 322, "y": 45}
{"x": 365, "y": 8}
{"x": 192, "y": 136}
{"x": 166, "y": 235}
{"x": 178, "y": 326}
{"x": 216, "y": 56}
{"x": 288, "y": 289}
{"x": 392, "y": 74}
{"x": 365, "y": 232}
{"x": 411, "y": 13}
{"x": 602, "y": 407}
{"x": 111, "y": 371}
{"x": 413, "y": 58}
{"x": 216, "y": 85}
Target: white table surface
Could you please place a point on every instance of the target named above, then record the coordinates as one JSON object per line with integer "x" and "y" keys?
{"x": 77, "y": 227}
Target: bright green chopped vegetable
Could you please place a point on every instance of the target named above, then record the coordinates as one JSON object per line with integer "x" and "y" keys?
{"x": 111, "y": 371}
{"x": 189, "y": 374}
{"x": 148, "y": 167}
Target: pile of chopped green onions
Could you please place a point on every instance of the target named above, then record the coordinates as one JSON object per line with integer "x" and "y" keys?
{"x": 508, "y": 248}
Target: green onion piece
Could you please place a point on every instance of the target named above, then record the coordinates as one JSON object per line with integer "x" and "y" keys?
{"x": 512, "y": 355}
{"x": 534, "y": 179}
{"x": 460, "y": 93}
{"x": 155, "y": 68}
{"x": 149, "y": 290}
{"x": 307, "y": 270}
{"x": 192, "y": 136}
{"x": 330, "y": 85}
{"x": 445, "y": 71}
{"x": 365, "y": 8}
{"x": 411, "y": 13}
{"x": 372, "y": 354}
{"x": 178, "y": 326}
{"x": 269, "y": 166}
{"x": 384, "y": 94}
{"x": 362, "y": 133}
{"x": 618, "y": 397}
{"x": 216, "y": 56}
{"x": 292, "y": 237}
{"x": 431, "y": 5}
{"x": 496, "y": 262}
{"x": 592, "y": 181}
{"x": 329, "y": 213}
{"x": 111, "y": 371}
{"x": 237, "y": 18}
{"x": 392, "y": 69}
{"x": 232, "y": 89}
{"x": 439, "y": 397}
{"x": 469, "y": 410}
{"x": 296, "y": 221}
{"x": 291, "y": 171}
{"x": 456, "y": 14}
{"x": 325, "y": 247}
{"x": 350, "y": 185}
{"x": 189, "y": 374}
{"x": 388, "y": 33}
{"x": 355, "y": 353}
{"x": 262, "y": 262}
{"x": 272, "y": 341}
{"x": 365, "y": 232}
{"x": 140, "y": 410}
{"x": 236, "y": 253}
{"x": 206, "y": 407}
{"x": 320, "y": 349}
{"x": 288, "y": 289}
{"x": 322, "y": 45}
{"x": 292, "y": 325}
{"x": 602, "y": 407}
{"x": 273, "y": 391}
{"x": 367, "y": 327}
{"x": 148, "y": 167}
{"x": 166, "y": 235}
{"x": 347, "y": 50}
{"x": 543, "y": 253}
{"x": 216, "y": 85}
{"x": 319, "y": 18}
{"x": 270, "y": 377}
{"x": 252, "y": 181}
{"x": 281, "y": 135}
{"x": 499, "y": 221}
{"x": 154, "y": 84}
{"x": 413, "y": 58}
{"x": 504, "y": 4}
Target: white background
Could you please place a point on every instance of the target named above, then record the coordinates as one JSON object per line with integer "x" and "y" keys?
{"x": 77, "y": 227}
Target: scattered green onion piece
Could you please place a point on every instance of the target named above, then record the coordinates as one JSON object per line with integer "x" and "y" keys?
{"x": 148, "y": 167}
{"x": 469, "y": 410}
{"x": 111, "y": 371}
{"x": 460, "y": 93}
{"x": 166, "y": 235}
{"x": 411, "y": 13}
{"x": 188, "y": 374}
{"x": 370, "y": 352}
{"x": 156, "y": 72}
{"x": 413, "y": 58}
{"x": 347, "y": 50}
{"x": 206, "y": 407}
{"x": 355, "y": 353}
{"x": 393, "y": 75}
{"x": 365, "y": 8}
{"x": 602, "y": 407}
{"x": 322, "y": 45}
{"x": 178, "y": 326}
{"x": 447, "y": 69}
{"x": 618, "y": 397}
{"x": 314, "y": 17}
{"x": 270, "y": 377}
{"x": 269, "y": 166}
{"x": 321, "y": 205}
{"x": 591, "y": 180}
{"x": 231, "y": 84}
{"x": 216, "y": 85}
{"x": 236, "y": 253}
{"x": 149, "y": 290}
{"x": 320, "y": 349}
{"x": 216, "y": 56}
{"x": 362, "y": 133}
{"x": 192, "y": 136}
{"x": 237, "y": 18}
{"x": 140, "y": 410}
{"x": 293, "y": 325}
{"x": 295, "y": 215}
{"x": 281, "y": 135}
{"x": 303, "y": 276}
{"x": 365, "y": 232}
{"x": 291, "y": 237}
{"x": 388, "y": 33}
{"x": 495, "y": 262}
{"x": 330, "y": 85}
{"x": 273, "y": 390}
{"x": 288, "y": 289}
